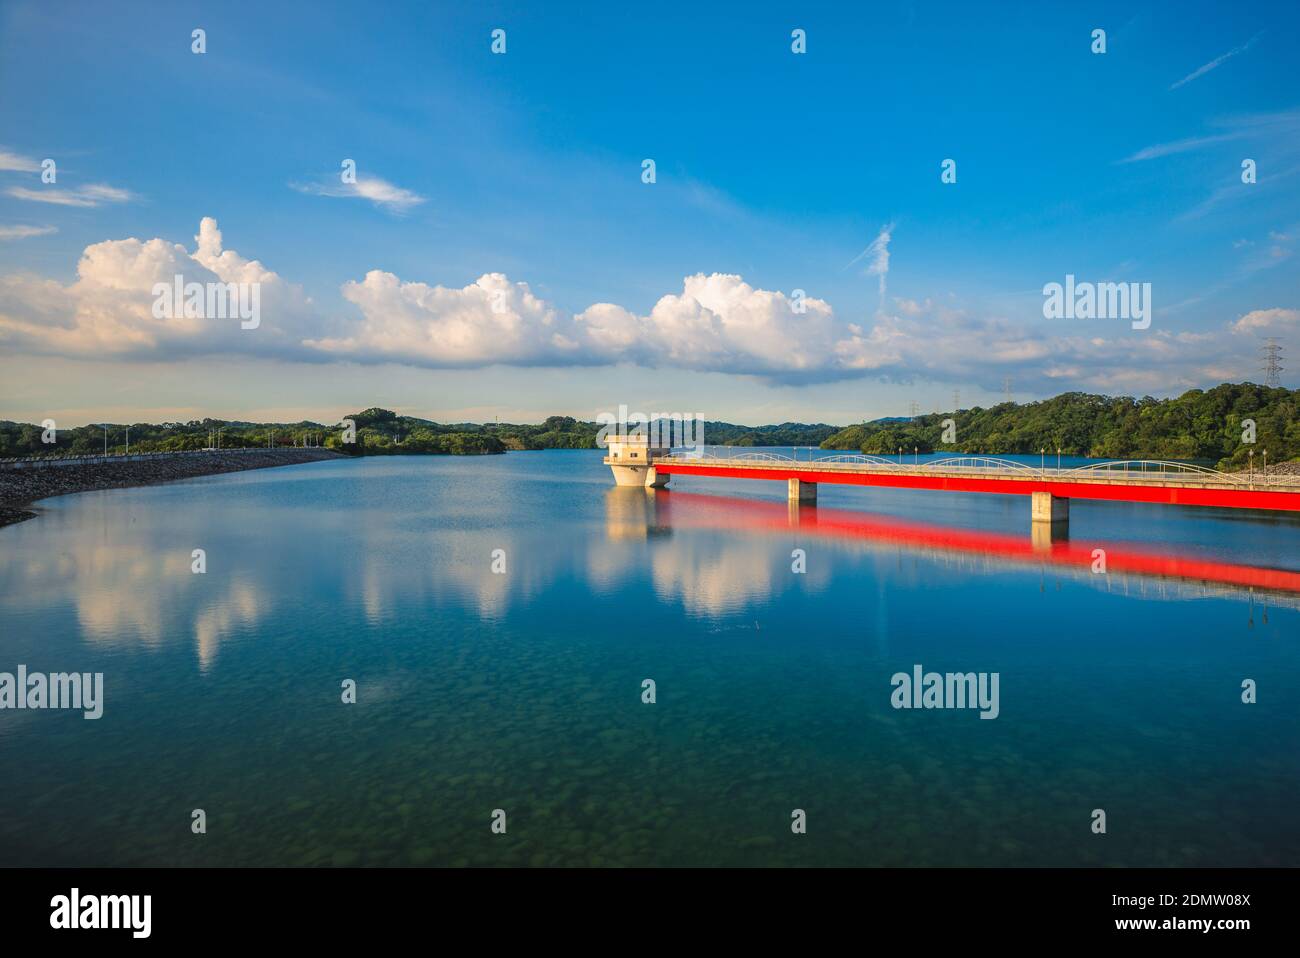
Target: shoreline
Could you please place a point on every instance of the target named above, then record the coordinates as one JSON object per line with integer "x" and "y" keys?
{"x": 20, "y": 488}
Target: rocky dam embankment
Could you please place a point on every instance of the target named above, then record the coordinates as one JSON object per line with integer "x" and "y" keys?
{"x": 22, "y": 483}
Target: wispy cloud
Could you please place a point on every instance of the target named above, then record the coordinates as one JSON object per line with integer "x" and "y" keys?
{"x": 23, "y": 232}
{"x": 1277, "y": 130}
{"x": 878, "y": 251}
{"x": 711, "y": 200}
{"x": 1238, "y": 191}
{"x": 1206, "y": 68}
{"x": 18, "y": 164}
{"x": 93, "y": 194}
{"x": 378, "y": 191}
{"x": 1179, "y": 146}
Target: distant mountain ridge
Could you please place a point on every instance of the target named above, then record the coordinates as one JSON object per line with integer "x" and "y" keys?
{"x": 1206, "y": 425}
{"x": 378, "y": 432}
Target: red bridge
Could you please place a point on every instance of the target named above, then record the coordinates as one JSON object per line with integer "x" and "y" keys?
{"x": 1050, "y": 490}
{"x": 1197, "y": 574}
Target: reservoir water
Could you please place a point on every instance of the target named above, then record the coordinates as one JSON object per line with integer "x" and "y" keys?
{"x": 522, "y": 690}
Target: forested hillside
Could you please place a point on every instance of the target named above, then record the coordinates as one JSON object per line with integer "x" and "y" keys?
{"x": 1200, "y": 424}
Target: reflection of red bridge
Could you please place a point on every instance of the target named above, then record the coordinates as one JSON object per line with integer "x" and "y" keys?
{"x": 1050, "y": 490}
{"x": 680, "y": 509}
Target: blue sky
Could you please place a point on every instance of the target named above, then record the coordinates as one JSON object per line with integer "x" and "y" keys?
{"x": 775, "y": 170}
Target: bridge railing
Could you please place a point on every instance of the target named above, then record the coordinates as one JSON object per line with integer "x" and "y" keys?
{"x": 1163, "y": 468}
{"x": 1135, "y": 471}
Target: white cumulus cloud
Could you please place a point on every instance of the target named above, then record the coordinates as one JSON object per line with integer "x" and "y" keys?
{"x": 490, "y": 321}
{"x": 720, "y": 323}
{"x": 1268, "y": 320}
{"x": 108, "y": 310}
{"x": 715, "y": 322}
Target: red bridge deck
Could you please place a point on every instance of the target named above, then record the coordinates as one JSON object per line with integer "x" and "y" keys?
{"x": 1167, "y": 483}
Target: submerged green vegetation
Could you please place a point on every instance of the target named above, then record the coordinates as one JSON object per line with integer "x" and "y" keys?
{"x": 1206, "y": 425}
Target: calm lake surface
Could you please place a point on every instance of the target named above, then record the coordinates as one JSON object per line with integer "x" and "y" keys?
{"x": 522, "y": 691}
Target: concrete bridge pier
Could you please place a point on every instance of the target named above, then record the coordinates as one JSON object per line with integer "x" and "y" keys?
{"x": 801, "y": 491}
{"x": 1051, "y": 517}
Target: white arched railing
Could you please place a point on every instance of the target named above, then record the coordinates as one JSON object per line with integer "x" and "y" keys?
{"x": 977, "y": 462}
{"x": 1154, "y": 468}
{"x": 864, "y": 460}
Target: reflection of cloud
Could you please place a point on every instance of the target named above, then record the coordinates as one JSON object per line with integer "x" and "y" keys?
{"x": 709, "y": 575}
{"x": 712, "y": 577}
{"x": 240, "y": 608}
{"x": 630, "y": 519}
{"x": 372, "y": 593}
{"x": 110, "y": 580}
{"x": 128, "y": 593}
{"x": 393, "y": 572}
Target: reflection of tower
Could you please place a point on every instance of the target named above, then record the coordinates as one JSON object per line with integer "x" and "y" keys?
{"x": 632, "y": 513}
{"x": 1272, "y": 364}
